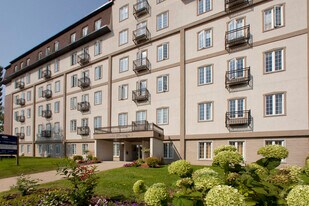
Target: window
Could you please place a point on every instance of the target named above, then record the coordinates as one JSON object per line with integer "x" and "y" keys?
{"x": 123, "y": 92}
{"x": 162, "y": 83}
{"x": 273, "y": 18}
{"x": 57, "y": 86}
{"x": 140, "y": 116}
{"x": 168, "y": 151}
{"x": 28, "y": 149}
{"x": 123, "y": 37}
{"x": 239, "y": 146}
{"x": 273, "y": 60}
{"x": 57, "y": 107}
{"x": 28, "y": 113}
{"x": 204, "y": 6}
{"x": 85, "y": 31}
{"x": 236, "y": 108}
{"x": 56, "y": 65}
{"x": 40, "y": 91}
{"x": 98, "y": 98}
{"x": 56, "y": 46}
{"x": 73, "y": 149}
{"x": 28, "y": 131}
{"x": 98, "y": 73}
{"x": 274, "y": 104}
{"x": 22, "y": 148}
{"x": 97, "y": 25}
{"x": 162, "y": 116}
{"x": 274, "y": 142}
{"x": 74, "y": 80}
{"x": 73, "y": 125}
{"x": 205, "y": 150}
{"x": 28, "y": 78}
{"x": 57, "y": 148}
{"x": 73, "y": 37}
{"x": 205, "y": 39}
{"x": 85, "y": 149}
{"x": 40, "y": 129}
{"x": 22, "y": 130}
{"x": 57, "y": 127}
{"x": 28, "y": 62}
{"x": 84, "y": 122}
{"x": 205, "y": 111}
{"x": 15, "y": 115}
{"x": 40, "y": 55}
{"x": 235, "y": 28}
{"x": 22, "y": 65}
{"x": 236, "y": 68}
{"x": 205, "y": 75}
{"x": 40, "y": 110}
{"x": 123, "y": 13}
{"x": 162, "y": 52}
{"x": 16, "y": 130}
{"x": 123, "y": 119}
{"x": 40, "y": 73}
{"x": 73, "y": 103}
{"x": 97, "y": 122}
{"x": 159, "y": 1}
{"x": 85, "y": 97}
{"x": 124, "y": 64}
{"x": 28, "y": 95}
{"x": 16, "y": 68}
{"x": 97, "y": 48}
{"x": 47, "y": 51}
{"x": 74, "y": 58}
{"x": 116, "y": 149}
{"x": 162, "y": 21}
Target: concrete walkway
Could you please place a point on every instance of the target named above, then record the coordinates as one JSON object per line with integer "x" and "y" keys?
{"x": 51, "y": 176}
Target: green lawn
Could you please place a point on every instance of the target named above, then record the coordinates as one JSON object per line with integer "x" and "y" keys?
{"x": 27, "y": 165}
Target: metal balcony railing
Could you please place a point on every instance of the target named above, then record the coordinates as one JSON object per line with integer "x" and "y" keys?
{"x": 47, "y": 114}
{"x": 140, "y": 95}
{"x": 141, "y": 35}
{"x": 46, "y": 74}
{"x": 141, "y": 8}
{"x": 20, "y": 84}
{"x": 83, "y": 58}
{"x": 20, "y": 101}
{"x": 233, "y": 5}
{"x": 237, "y": 38}
{"x": 21, "y": 118}
{"x": 140, "y": 125}
{"x": 46, "y": 133}
{"x": 20, "y": 135}
{"x": 83, "y": 130}
{"x": 237, "y": 77}
{"x": 238, "y": 118}
{"x": 47, "y": 94}
{"x": 83, "y": 106}
{"x": 141, "y": 65}
{"x": 84, "y": 82}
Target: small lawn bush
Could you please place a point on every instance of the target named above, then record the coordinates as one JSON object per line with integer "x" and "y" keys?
{"x": 77, "y": 157}
{"x": 152, "y": 162}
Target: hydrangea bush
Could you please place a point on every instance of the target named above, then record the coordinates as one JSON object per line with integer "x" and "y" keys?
{"x": 227, "y": 158}
{"x": 204, "y": 172}
{"x": 224, "y": 148}
{"x": 224, "y": 195}
{"x": 274, "y": 151}
{"x": 139, "y": 187}
{"x": 156, "y": 195}
{"x": 182, "y": 168}
{"x": 298, "y": 196}
{"x": 205, "y": 183}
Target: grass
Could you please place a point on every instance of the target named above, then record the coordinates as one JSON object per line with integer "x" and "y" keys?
{"x": 27, "y": 165}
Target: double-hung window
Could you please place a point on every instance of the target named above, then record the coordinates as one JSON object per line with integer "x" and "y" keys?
{"x": 162, "y": 20}
{"x": 205, "y": 39}
{"x": 28, "y": 95}
{"x": 274, "y": 104}
{"x": 204, "y": 6}
{"x": 98, "y": 73}
{"x": 97, "y": 25}
{"x": 57, "y": 86}
{"x": 56, "y": 107}
{"x": 124, "y": 64}
{"x": 123, "y": 119}
{"x": 123, "y": 92}
{"x": 74, "y": 58}
{"x": 162, "y": 116}
{"x": 205, "y": 150}
{"x": 240, "y": 146}
{"x": 85, "y": 31}
{"x": 28, "y": 62}
{"x": 56, "y": 65}
{"x": 73, "y": 38}
{"x": 236, "y": 108}
{"x": 56, "y": 46}
{"x": 97, "y": 48}
{"x": 73, "y": 125}
{"x": 205, "y": 111}
{"x": 73, "y": 103}
{"x": 162, "y": 52}
{"x": 123, "y": 13}
{"x": 74, "y": 80}
{"x": 123, "y": 37}
{"x": 98, "y": 98}
{"x": 205, "y": 75}
{"x": 73, "y": 149}
{"x": 162, "y": 83}
{"x": 28, "y": 113}
{"x": 273, "y": 60}
{"x": 168, "y": 150}
{"x": 40, "y": 73}
{"x": 97, "y": 122}
{"x": 28, "y": 130}
{"x": 273, "y": 18}
{"x": 140, "y": 116}
{"x": 84, "y": 122}
{"x": 40, "y": 110}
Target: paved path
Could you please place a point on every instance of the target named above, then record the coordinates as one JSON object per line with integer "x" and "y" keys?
{"x": 51, "y": 176}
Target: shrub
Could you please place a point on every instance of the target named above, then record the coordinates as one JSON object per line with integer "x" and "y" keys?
{"x": 156, "y": 195}
{"x": 205, "y": 183}
{"x": 184, "y": 182}
{"x": 226, "y": 158}
{"x": 152, "y": 161}
{"x": 139, "y": 187}
{"x": 294, "y": 173}
{"x": 140, "y": 161}
{"x": 273, "y": 151}
{"x": 223, "y": 195}
{"x": 55, "y": 198}
{"x": 224, "y": 148}
{"x": 132, "y": 164}
{"x": 259, "y": 170}
{"x": 25, "y": 184}
{"x": 232, "y": 177}
{"x": 204, "y": 172}
{"x": 77, "y": 157}
{"x": 298, "y": 196}
{"x": 89, "y": 157}
{"x": 182, "y": 168}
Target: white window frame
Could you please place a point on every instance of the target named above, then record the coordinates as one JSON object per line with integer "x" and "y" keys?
{"x": 162, "y": 20}
{"x": 116, "y": 149}
{"x": 202, "y": 6}
{"x": 123, "y": 92}
{"x": 99, "y": 101}
{"x": 273, "y": 24}
{"x": 57, "y": 86}
{"x": 237, "y": 144}
{"x": 85, "y": 147}
{"x": 98, "y": 72}
{"x": 73, "y": 103}
{"x": 97, "y": 48}
{"x": 74, "y": 58}
{"x": 57, "y": 107}
{"x": 123, "y": 13}
{"x": 73, "y": 126}
{"x": 56, "y": 65}
{"x": 73, "y": 38}
{"x": 28, "y": 95}
{"x": 205, "y": 152}
{"x": 204, "y": 71}
{"x": 73, "y": 149}
{"x": 205, "y": 39}
{"x": 97, "y": 24}
{"x": 74, "y": 80}
{"x": 165, "y": 112}
{"x": 97, "y": 122}
{"x": 123, "y": 64}
{"x": 169, "y": 147}
{"x": 163, "y": 83}
{"x": 274, "y": 104}
{"x": 56, "y": 46}
{"x": 29, "y": 113}
{"x": 274, "y": 60}
{"x": 163, "y": 52}
{"x": 85, "y": 31}
{"x": 28, "y": 130}
{"x": 205, "y": 114}
{"x": 123, "y": 37}
{"x": 122, "y": 119}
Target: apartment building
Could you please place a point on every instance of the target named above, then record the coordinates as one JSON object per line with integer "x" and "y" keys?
{"x": 167, "y": 78}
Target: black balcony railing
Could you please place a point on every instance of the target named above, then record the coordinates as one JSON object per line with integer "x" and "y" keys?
{"x": 238, "y": 118}
{"x": 20, "y": 84}
{"x": 47, "y": 114}
{"x": 141, "y": 35}
{"x": 47, "y": 74}
{"x": 237, "y": 77}
{"x": 141, "y": 65}
{"x": 21, "y": 118}
{"x": 83, "y": 106}
{"x": 46, "y": 133}
{"x": 233, "y": 5}
{"x": 20, "y": 135}
{"x": 141, "y": 8}
{"x": 83, "y": 58}
{"x": 237, "y": 38}
{"x": 47, "y": 94}
{"x": 83, "y": 130}
{"x": 140, "y": 95}
{"x": 20, "y": 101}
{"x": 84, "y": 82}
{"x": 140, "y": 125}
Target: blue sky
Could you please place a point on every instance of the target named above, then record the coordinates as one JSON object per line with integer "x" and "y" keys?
{"x": 26, "y": 23}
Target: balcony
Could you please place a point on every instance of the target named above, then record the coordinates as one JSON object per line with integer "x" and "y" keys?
{"x": 237, "y": 38}
{"x": 20, "y": 84}
{"x": 140, "y": 95}
{"x": 140, "y": 125}
{"x": 83, "y": 58}
{"x": 141, "y": 35}
{"x": 47, "y": 94}
{"x": 20, "y": 101}
{"x": 83, "y": 130}
{"x": 237, "y": 77}
{"x": 21, "y": 118}
{"x": 47, "y": 114}
{"x": 141, "y": 65}
{"x": 233, "y": 5}
{"x": 84, "y": 82}
{"x": 83, "y": 106}
{"x": 20, "y": 135}
{"x": 47, "y": 74}
{"x": 238, "y": 118}
{"x": 46, "y": 133}
{"x": 141, "y": 8}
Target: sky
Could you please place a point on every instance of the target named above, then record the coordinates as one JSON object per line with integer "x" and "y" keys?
{"x": 26, "y": 23}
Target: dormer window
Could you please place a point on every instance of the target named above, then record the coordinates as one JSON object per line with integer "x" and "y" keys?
{"x": 85, "y": 31}
{"x": 22, "y": 65}
{"x": 73, "y": 37}
{"x": 40, "y": 55}
{"x": 56, "y": 46}
{"x": 97, "y": 25}
{"x": 16, "y": 68}
{"x": 47, "y": 52}
{"x": 28, "y": 62}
